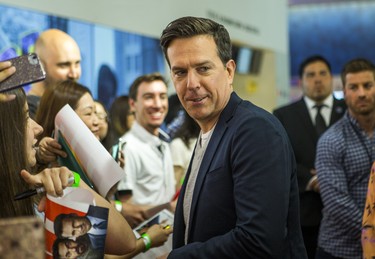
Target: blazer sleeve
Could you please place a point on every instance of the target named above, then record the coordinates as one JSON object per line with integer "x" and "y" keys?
{"x": 299, "y": 137}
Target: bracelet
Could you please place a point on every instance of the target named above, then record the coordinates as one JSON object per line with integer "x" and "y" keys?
{"x": 147, "y": 240}
{"x": 118, "y": 205}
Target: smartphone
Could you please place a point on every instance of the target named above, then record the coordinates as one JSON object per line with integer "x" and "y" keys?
{"x": 29, "y": 70}
{"x": 121, "y": 145}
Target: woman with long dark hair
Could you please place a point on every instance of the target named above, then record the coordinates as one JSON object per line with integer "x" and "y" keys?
{"x": 18, "y": 137}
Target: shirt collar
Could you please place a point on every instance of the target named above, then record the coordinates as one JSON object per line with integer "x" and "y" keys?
{"x": 144, "y": 135}
{"x": 328, "y": 102}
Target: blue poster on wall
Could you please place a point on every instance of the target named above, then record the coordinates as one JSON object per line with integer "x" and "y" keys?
{"x": 111, "y": 59}
{"x": 338, "y": 32}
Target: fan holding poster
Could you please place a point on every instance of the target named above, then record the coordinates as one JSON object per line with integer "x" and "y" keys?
{"x": 83, "y": 150}
{"x": 74, "y": 227}
{"x": 67, "y": 113}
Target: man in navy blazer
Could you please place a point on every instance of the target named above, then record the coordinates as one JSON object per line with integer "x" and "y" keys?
{"x": 240, "y": 195}
{"x": 298, "y": 119}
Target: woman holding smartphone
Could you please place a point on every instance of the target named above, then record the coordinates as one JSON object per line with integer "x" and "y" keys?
{"x": 18, "y": 136}
{"x": 6, "y": 70}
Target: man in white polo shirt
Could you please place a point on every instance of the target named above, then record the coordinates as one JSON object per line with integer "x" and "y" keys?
{"x": 149, "y": 177}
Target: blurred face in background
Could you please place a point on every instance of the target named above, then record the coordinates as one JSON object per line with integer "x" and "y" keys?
{"x": 359, "y": 92}
{"x": 102, "y": 119}
{"x": 316, "y": 81}
{"x": 61, "y": 59}
{"x": 86, "y": 111}
{"x": 151, "y": 105}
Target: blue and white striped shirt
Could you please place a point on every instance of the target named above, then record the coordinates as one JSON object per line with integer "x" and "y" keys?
{"x": 343, "y": 162}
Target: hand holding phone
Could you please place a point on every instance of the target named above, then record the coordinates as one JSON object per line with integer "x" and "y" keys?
{"x": 120, "y": 154}
{"x": 28, "y": 70}
{"x": 6, "y": 70}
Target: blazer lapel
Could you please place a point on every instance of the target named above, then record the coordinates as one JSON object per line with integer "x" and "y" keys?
{"x": 305, "y": 119}
{"x": 338, "y": 110}
{"x": 214, "y": 142}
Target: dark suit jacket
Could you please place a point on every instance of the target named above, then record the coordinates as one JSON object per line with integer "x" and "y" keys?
{"x": 98, "y": 241}
{"x": 245, "y": 201}
{"x": 297, "y": 122}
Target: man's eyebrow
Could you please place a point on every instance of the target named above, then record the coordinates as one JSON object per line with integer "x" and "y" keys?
{"x": 65, "y": 63}
{"x": 203, "y": 63}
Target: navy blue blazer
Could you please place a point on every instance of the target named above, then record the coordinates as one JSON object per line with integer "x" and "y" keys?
{"x": 245, "y": 201}
{"x": 98, "y": 241}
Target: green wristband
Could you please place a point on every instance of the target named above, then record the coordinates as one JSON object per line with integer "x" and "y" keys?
{"x": 147, "y": 240}
{"x": 77, "y": 179}
{"x": 118, "y": 205}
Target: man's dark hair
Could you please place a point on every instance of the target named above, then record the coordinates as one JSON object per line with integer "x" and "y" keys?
{"x": 57, "y": 224}
{"x": 312, "y": 59}
{"x": 355, "y": 66}
{"x": 187, "y": 27}
{"x": 144, "y": 78}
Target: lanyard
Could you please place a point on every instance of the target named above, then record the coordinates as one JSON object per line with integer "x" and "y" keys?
{"x": 360, "y": 137}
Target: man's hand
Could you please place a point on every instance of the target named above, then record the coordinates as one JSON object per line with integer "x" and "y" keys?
{"x": 313, "y": 184}
{"x": 134, "y": 214}
{"x": 159, "y": 234}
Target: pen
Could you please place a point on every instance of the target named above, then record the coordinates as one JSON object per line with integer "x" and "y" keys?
{"x": 29, "y": 193}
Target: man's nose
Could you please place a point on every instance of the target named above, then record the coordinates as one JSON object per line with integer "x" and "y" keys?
{"x": 192, "y": 81}
{"x": 73, "y": 72}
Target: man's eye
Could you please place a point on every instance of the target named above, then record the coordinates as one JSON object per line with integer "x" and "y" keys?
{"x": 203, "y": 69}
{"x": 179, "y": 73}
{"x": 309, "y": 75}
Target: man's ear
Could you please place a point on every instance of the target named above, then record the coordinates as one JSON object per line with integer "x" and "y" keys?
{"x": 231, "y": 69}
{"x": 131, "y": 104}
